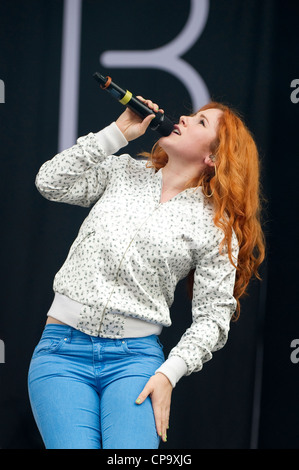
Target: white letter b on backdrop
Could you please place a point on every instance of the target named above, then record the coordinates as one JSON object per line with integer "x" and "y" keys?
{"x": 168, "y": 57}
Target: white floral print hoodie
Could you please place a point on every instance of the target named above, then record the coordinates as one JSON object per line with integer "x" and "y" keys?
{"x": 131, "y": 250}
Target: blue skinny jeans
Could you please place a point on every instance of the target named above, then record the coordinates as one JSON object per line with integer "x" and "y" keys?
{"x": 82, "y": 390}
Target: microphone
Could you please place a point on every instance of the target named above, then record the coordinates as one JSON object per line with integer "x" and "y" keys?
{"x": 161, "y": 123}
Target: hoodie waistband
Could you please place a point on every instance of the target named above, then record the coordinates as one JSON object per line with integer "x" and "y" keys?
{"x": 68, "y": 311}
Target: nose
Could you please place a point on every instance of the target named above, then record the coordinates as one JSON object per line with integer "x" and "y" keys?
{"x": 183, "y": 120}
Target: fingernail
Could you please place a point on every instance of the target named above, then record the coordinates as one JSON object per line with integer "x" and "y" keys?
{"x": 165, "y": 438}
{"x": 138, "y": 400}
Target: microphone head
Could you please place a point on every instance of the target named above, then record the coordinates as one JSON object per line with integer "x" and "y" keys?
{"x": 164, "y": 126}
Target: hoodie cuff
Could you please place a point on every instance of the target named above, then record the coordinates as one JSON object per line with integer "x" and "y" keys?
{"x": 111, "y": 139}
{"x": 174, "y": 368}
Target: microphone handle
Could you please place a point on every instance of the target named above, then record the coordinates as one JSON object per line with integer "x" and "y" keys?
{"x": 160, "y": 123}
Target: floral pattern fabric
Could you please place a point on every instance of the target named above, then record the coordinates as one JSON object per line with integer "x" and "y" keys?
{"x": 132, "y": 250}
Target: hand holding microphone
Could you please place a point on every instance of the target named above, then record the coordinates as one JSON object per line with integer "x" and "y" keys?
{"x": 132, "y": 125}
{"x": 140, "y": 114}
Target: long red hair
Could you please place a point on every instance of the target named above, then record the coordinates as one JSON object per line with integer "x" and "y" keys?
{"x": 236, "y": 195}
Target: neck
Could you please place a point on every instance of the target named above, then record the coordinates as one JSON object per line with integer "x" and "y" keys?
{"x": 175, "y": 178}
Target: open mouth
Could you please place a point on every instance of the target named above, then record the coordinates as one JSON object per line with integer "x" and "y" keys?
{"x": 176, "y": 130}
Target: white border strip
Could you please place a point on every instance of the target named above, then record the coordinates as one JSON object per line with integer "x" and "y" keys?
{"x": 70, "y": 67}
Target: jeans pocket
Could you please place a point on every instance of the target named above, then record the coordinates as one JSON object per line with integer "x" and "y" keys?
{"x": 143, "y": 346}
{"x": 129, "y": 348}
{"x": 48, "y": 345}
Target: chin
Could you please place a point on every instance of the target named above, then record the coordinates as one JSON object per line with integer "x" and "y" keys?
{"x": 163, "y": 142}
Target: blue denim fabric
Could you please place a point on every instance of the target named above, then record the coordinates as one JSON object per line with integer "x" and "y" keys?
{"x": 82, "y": 390}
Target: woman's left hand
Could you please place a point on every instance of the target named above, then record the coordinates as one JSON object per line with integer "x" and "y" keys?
{"x": 159, "y": 389}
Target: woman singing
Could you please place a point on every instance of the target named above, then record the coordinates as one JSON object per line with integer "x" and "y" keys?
{"x": 98, "y": 377}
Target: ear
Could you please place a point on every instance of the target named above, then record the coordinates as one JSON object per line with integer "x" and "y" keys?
{"x": 210, "y": 160}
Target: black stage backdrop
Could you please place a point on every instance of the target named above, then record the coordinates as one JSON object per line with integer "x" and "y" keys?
{"x": 243, "y": 53}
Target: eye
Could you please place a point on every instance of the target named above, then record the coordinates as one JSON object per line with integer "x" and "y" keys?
{"x": 202, "y": 122}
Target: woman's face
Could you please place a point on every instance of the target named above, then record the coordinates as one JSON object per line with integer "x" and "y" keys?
{"x": 193, "y": 136}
